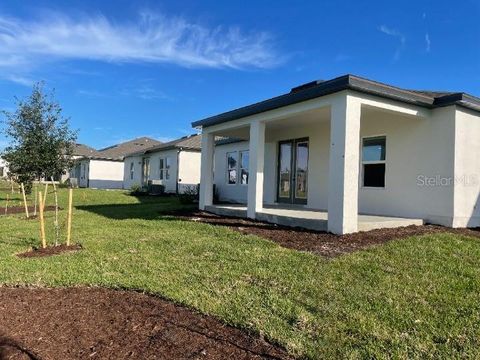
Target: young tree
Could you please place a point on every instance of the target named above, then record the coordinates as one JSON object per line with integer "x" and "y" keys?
{"x": 41, "y": 142}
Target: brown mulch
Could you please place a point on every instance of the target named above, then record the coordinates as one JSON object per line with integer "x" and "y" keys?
{"x": 320, "y": 243}
{"x": 50, "y": 250}
{"x": 21, "y": 210}
{"x": 97, "y": 323}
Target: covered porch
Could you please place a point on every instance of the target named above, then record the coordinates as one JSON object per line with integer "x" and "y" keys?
{"x": 308, "y": 218}
{"x": 319, "y": 183}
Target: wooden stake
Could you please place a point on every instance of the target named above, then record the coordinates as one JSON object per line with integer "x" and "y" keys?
{"x": 69, "y": 219}
{"x": 35, "y": 202}
{"x": 6, "y": 206}
{"x": 25, "y": 201}
{"x": 45, "y": 196}
{"x": 55, "y": 222}
{"x": 42, "y": 224}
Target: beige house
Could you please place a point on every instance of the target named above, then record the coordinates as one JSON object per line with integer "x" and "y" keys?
{"x": 175, "y": 165}
{"x": 103, "y": 169}
{"x": 345, "y": 155}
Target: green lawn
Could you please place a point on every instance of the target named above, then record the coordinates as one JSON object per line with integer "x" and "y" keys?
{"x": 407, "y": 299}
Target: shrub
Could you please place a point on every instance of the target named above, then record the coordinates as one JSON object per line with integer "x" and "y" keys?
{"x": 137, "y": 190}
{"x": 189, "y": 195}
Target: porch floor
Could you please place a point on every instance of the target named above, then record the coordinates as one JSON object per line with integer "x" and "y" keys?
{"x": 309, "y": 218}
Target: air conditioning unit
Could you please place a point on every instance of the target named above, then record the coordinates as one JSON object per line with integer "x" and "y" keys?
{"x": 156, "y": 187}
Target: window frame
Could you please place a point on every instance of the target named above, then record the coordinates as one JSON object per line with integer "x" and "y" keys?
{"x": 132, "y": 170}
{"x": 374, "y": 162}
{"x": 168, "y": 166}
{"x": 240, "y": 168}
{"x": 228, "y": 169}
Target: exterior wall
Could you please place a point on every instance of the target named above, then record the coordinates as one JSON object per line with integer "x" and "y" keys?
{"x": 3, "y": 168}
{"x": 235, "y": 193}
{"x": 84, "y": 166}
{"x": 106, "y": 174}
{"x": 467, "y": 169}
{"x": 189, "y": 169}
{"x": 128, "y": 181}
{"x": 417, "y": 149}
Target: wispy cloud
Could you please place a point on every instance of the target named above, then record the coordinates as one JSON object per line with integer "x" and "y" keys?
{"x": 20, "y": 79}
{"x": 428, "y": 43}
{"x": 151, "y": 37}
{"x": 399, "y": 36}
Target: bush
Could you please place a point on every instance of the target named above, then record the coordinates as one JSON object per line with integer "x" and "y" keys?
{"x": 137, "y": 190}
{"x": 189, "y": 195}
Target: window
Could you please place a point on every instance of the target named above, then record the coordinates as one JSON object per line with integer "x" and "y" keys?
{"x": 244, "y": 167}
{"x": 232, "y": 167}
{"x": 373, "y": 161}
{"x": 168, "y": 164}
{"x": 162, "y": 168}
{"x": 165, "y": 165}
{"x": 132, "y": 168}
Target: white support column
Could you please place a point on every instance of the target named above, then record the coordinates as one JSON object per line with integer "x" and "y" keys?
{"x": 344, "y": 165}
{"x": 255, "y": 166}
{"x": 206, "y": 172}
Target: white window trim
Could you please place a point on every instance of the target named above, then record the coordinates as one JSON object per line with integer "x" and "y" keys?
{"x": 362, "y": 163}
{"x": 239, "y": 170}
{"x": 162, "y": 175}
{"x": 227, "y": 182}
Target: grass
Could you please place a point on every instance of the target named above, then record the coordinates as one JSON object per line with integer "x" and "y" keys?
{"x": 413, "y": 298}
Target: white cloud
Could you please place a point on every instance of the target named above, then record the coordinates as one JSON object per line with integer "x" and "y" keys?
{"x": 152, "y": 38}
{"x": 399, "y": 36}
{"x": 428, "y": 43}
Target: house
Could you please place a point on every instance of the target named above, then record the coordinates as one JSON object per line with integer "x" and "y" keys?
{"x": 345, "y": 155}
{"x": 103, "y": 169}
{"x": 3, "y": 169}
{"x": 175, "y": 165}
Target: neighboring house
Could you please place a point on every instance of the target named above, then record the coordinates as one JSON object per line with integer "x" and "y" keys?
{"x": 103, "y": 169}
{"x": 345, "y": 155}
{"x": 175, "y": 165}
{"x": 3, "y": 168}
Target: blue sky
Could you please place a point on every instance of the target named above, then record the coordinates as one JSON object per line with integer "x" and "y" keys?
{"x": 123, "y": 69}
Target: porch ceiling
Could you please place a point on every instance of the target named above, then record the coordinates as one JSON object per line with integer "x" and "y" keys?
{"x": 302, "y": 119}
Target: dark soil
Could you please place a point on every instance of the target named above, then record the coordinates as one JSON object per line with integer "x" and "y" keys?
{"x": 97, "y": 323}
{"x": 321, "y": 243}
{"x": 49, "y": 251}
{"x": 21, "y": 210}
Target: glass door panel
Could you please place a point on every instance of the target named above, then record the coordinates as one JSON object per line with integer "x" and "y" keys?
{"x": 285, "y": 172}
{"x": 301, "y": 170}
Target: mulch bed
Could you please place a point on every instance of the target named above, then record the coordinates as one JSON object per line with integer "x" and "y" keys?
{"x": 50, "y": 250}
{"x": 97, "y": 323}
{"x": 320, "y": 243}
{"x": 21, "y": 210}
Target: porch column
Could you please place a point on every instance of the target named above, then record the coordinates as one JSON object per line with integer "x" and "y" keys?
{"x": 344, "y": 165}
{"x": 206, "y": 170}
{"x": 255, "y": 166}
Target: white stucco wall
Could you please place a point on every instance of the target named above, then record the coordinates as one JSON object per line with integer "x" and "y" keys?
{"x": 128, "y": 182}
{"x": 189, "y": 169}
{"x": 467, "y": 169}
{"x": 417, "y": 150}
{"x": 106, "y": 174}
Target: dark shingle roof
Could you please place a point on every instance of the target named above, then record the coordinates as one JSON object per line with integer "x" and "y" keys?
{"x": 84, "y": 150}
{"x": 318, "y": 88}
{"x": 191, "y": 142}
{"x": 119, "y": 151}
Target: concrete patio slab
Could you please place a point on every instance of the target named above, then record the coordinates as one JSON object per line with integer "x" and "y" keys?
{"x": 309, "y": 218}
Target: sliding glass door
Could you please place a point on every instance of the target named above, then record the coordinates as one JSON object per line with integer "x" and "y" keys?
{"x": 293, "y": 171}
